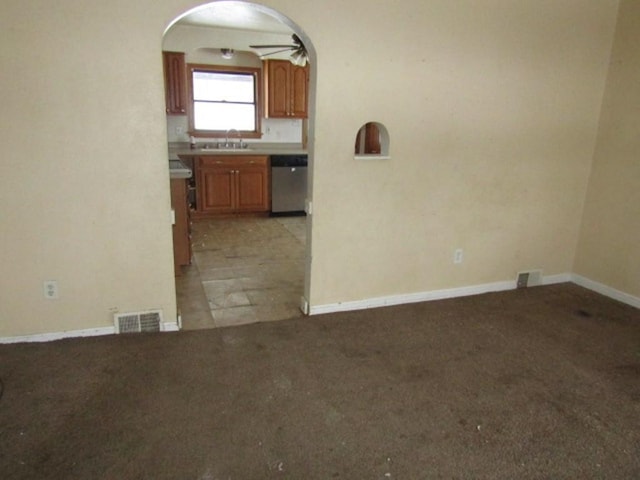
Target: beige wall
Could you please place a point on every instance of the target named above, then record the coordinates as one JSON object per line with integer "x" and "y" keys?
{"x": 84, "y": 193}
{"x": 609, "y": 248}
{"x": 492, "y": 108}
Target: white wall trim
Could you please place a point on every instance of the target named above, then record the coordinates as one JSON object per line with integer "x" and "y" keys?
{"x": 472, "y": 290}
{"x": 412, "y": 297}
{"x": 171, "y": 326}
{"x": 90, "y": 332}
{"x": 606, "y": 290}
{"x": 371, "y": 303}
{"x": 49, "y": 337}
{"x": 553, "y": 279}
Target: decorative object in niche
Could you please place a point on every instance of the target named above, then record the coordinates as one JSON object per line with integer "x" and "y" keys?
{"x": 372, "y": 141}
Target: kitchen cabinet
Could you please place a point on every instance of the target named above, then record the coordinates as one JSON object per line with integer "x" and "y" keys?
{"x": 287, "y": 89}
{"x": 232, "y": 184}
{"x": 175, "y": 83}
{"x": 181, "y": 226}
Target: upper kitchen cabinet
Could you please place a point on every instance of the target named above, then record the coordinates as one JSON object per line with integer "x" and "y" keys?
{"x": 287, "y": 89}
{"x": 175, "y": 79}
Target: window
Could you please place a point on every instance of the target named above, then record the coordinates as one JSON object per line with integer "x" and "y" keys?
{"x": 224, "y": 98}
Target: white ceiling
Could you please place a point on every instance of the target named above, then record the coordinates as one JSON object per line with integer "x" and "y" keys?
{"x": 234, "y": 15}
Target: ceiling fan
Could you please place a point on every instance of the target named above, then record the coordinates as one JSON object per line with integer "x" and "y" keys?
{"x": 299, "y": 54}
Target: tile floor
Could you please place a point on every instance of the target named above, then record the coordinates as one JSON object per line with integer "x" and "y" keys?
{"x": 244, "y": 270}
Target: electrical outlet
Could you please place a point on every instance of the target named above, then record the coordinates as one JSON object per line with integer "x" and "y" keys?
{"x": 50, "y": 289}
{"x": 457, "y": 256}
{"x": 179, "y": 130}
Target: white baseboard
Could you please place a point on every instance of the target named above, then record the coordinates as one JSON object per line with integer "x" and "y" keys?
{"x": 412, "y": 297}
{"x": 553, "y": 279}
{"x": 371, "y": 303}
{"x": 472, "y": 290}
{"x": 90, "y": 332}
{"x": 606, "y": 290}
{"x": 49, "y": 337}
{"x": 171, "y": 326}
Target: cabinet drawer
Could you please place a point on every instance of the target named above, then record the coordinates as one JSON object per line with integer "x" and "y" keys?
{"x": 213, "y": 161}
{"x": 233, "y": 161}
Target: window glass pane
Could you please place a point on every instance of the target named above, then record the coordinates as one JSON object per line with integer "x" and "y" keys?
{"x": 219, "y": 87}
{"x": 223, "y": 116}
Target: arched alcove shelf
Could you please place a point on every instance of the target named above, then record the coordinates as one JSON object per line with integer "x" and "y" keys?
{"x": 372, "y": 142}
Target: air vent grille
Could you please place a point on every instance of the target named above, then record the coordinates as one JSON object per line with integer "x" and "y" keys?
{"x": 529, "y": 279}
{"x": 135, "y": 322}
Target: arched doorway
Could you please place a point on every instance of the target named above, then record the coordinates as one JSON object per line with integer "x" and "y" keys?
{"x": 229, "y": 286}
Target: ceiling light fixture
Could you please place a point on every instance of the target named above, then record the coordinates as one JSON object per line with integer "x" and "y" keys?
{"x": 228, "y": 53}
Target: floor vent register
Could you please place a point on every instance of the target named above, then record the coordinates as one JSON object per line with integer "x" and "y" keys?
{"x": 137, "y": 322}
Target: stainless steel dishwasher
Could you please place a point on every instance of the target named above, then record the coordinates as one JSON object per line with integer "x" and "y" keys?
{"x": 288, "y": 184}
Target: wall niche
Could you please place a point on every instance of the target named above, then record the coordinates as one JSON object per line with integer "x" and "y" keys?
{"x": 372, "y": 141}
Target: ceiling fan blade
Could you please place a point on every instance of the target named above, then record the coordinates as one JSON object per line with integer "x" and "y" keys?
{"x": 299, "y": 55}
{"x": 272, "y": 46}
{"x": 273, "y": 53}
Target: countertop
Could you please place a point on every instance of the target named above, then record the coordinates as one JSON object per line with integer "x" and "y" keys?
{"x": 177, "y": 150}
{"x": 178, "y": 170}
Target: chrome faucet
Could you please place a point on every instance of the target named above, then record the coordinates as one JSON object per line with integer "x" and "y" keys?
{"x": 228, "y": 144}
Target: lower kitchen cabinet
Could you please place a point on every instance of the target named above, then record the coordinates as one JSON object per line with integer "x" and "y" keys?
{"x": 181, "y": 230}
{"x": 233, "y": 184}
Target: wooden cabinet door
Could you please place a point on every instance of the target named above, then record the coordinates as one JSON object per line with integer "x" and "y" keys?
{"x": 232, "y": 184}
{"x": 253, "y": 192}
{"x": 278, "y": 88}
{"x": 216, "y": 190}
{"x": 299, "y": 92}
{"x": 181, "y": 234}
{"x": 175, "y": 83}
{"x": 287, "y": 89}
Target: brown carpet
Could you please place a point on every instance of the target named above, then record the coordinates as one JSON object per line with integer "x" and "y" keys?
{"x": 535, "y": 383}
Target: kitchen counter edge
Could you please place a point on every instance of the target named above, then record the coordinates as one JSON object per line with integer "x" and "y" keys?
{"x": 252, "y": 151}
{"x": 183, "y": 150}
